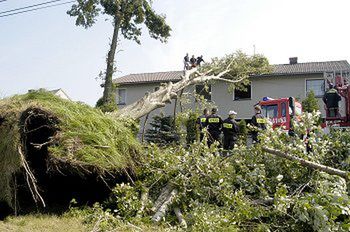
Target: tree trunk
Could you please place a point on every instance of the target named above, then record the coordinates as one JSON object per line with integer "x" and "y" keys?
{"x": 309, "y": 164}
{"x": 108, "y": 85}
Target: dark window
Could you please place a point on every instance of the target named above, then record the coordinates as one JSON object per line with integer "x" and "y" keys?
{"x": 243, "y": 94}
{"x": 317, "y": 86}
{"x": 284, "y": 109}
{"x": 270, "y": 111}
{"x": 204, "y": 91}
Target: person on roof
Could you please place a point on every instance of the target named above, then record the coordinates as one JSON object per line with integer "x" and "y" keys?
{"x": 259, "y": 122}
{"x": 199, "y": 60}
{"x": 193, "y": 62}
{"x": 230, "y": 131}
{"x": 201, "y": 123}
{"x": 214, "y": 125}
{"x": 332, "y": 98}
{"x": 186, "y": 62}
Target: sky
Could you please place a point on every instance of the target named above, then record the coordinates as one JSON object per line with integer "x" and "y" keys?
{"x": 44, "y": 48}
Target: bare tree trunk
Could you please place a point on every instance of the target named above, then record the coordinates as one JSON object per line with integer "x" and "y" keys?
{"x": 309, "y": 164}
{"x": 167, "y": 92}
{"x": 108, "y": 85}
{"x": 144, "y": 127}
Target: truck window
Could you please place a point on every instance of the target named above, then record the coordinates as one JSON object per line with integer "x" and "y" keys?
{"x": 284, "y": 109}
{"x": 270, "y": 111}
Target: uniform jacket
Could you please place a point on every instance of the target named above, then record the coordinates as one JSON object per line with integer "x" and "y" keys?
{"x": 331, "y": 98}
{"x": 230, "y": 128}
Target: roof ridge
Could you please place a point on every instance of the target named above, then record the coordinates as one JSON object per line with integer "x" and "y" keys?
{"x": 153, "y": 72}
{"x": 314, "y": 62}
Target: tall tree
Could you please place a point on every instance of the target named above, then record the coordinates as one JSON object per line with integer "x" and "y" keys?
{"x": 128, "y": 16}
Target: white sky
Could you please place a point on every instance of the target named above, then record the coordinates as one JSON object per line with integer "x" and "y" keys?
{"x": 44, "y": 49}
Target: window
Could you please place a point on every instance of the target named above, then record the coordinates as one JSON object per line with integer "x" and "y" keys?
{"x": 243, "y": 94}
{"x": 284, "y": 109}
{"x": 121, "y": 96}
{"x": 317, "y": 86}
{"x": 204, "y": 91}
{"x": 270, "y": 111}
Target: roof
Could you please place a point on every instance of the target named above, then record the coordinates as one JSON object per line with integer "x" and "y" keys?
{"x": 277, "y": 70}
{"x": 310, "y": 67}
{"x": 149, "y": 77}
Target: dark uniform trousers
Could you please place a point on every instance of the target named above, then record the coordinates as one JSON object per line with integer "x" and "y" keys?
{"x": 230, "y": 129}
{"x": 214, "y": 124}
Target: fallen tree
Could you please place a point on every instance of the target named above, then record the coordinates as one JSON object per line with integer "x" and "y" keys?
{"x": 233, "y": 69}
{"x": 53, "y": 150}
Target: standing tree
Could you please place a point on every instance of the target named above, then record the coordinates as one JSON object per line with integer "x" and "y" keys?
{"x": 128, "y": 16}
{"x": 310, "y": 103}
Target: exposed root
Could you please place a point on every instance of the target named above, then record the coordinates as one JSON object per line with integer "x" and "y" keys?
{"x": 31, "y": 180}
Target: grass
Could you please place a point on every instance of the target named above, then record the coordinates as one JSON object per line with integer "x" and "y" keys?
{"x": 42, "y": 223}
{"x": 52, "y": 223}
{"x": 86, "y": 136}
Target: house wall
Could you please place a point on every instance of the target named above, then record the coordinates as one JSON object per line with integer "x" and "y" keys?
{"x": 274, "y": 87}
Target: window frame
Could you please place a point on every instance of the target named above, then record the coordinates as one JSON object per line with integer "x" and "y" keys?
{"x": 315, "y": 79}
{"x": 118, "y": 102}
{"x": 244, "y": 99}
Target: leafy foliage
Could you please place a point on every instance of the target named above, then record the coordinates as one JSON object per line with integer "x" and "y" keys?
{"x": 241, "y": 67}
{"x": 248, "y": 191}
{"x": 130, "y": 15}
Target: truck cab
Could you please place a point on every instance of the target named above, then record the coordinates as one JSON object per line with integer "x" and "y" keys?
{"x": 281, "y": 112}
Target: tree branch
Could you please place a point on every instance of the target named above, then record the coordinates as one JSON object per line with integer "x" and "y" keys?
{"x": 309, "y": 164}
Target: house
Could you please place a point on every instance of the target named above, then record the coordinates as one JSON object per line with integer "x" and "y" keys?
{"x": 292, "y": 79}
{"x": 57, "y": 92}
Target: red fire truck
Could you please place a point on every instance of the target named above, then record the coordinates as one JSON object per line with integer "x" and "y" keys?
{"x": 281, "y": 112}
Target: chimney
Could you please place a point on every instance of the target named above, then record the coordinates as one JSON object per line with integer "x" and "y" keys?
{"x": 293, "y": 60}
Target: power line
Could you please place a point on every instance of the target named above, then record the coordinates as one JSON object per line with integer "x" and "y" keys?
{"x": 31, "y": 6}
{"x": 38, "y": 8}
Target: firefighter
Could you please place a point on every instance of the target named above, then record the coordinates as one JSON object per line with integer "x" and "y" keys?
{"x": 201, "y": 123}
{"x": 332, "y": 98}
{"x": 214, "y": 125}
{"x": 230, "y": 130}
{"x": 259, "y": 121}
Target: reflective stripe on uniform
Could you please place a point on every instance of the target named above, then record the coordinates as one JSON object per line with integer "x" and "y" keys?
{"x": 261, "y": 120}
{"x": 213, "y": 120}
{"x": 203, "y": 119}
{"x": 227, "y": 125}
